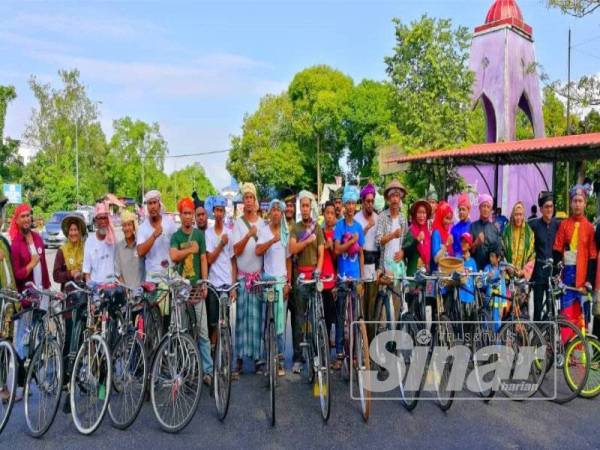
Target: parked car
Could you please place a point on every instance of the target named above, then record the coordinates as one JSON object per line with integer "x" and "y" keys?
{"x": 88, "y": 216}
{"x": 52, "y": 233}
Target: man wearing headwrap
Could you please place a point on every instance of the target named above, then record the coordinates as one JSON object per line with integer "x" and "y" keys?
{"x": 222, "y": 267}
{"x": 129, "y": 267}
{"x": 367, "y": 218}
{"x": 544, "y": 232}
{"x": 154, "y": 237}
{"x": 272, "y": 245}
{"x": 349, "y": 242}
{"x": 463, "y": 225}
{"x": 307, "y": 243}
{"x": 248, "y": 333}
{"x": 188, "y": 251}
{"x": 290, "y": 207}
{"x": 485, "y": 233}
{"x": 27, "y": 252}
{"x": 575, "y": 242}
{"x": 339, "y": 204}
{"x": 99, "y": 248}
{"x": 201, "y": 215}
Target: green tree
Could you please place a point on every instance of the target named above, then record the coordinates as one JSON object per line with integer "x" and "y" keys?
{"x": 181, "y": 183}
{"x": 66, "y": 131}
{"x": 11, "y": 164}
{"x": 577, "y": 8}
{"x": 368, "y": 122}
{"x": 432, "y": 82}
{"x": 267, "y": 152}
{"x": 134, "y": 142}
{"x": 319, "y": 95}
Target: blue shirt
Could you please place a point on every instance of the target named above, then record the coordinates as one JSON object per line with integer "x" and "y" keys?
{"x": 458, "y": 229}
{"x": 348, "y": 266}
{"x": 467, "y": 292}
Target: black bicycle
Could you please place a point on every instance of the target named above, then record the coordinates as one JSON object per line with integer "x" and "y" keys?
{"x": 8, "y": 356}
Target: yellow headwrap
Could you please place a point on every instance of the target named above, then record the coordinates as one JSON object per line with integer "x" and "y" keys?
{"x": 128, "y": 216}
{"x": 249, "y": 188}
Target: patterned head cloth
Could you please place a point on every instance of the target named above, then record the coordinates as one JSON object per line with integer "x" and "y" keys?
{"x": 128, "y": 216}
{"x": 249, "y": 188}
{"x": 284, "y": 235}
{"x": 464, "y": 200}
{"x": 579, "y": 189}
{"x": 314, "y": 212}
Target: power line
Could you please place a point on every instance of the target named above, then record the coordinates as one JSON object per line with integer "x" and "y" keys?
{"x": 197, "y": 154}
{"x": 586, "y": 41}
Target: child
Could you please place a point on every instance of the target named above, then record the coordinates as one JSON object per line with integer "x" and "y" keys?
{"x": 466, "y": 293}
{"x": 495, "y": 288}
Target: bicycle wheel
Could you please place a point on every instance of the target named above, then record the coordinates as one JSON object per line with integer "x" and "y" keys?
{"x": 43, "y": 387}
{"x": 308, "y": 353}
{"x": 153, "y": 331}
{"x": 8, "y": 380}
{"x": 176, "y": 382}
{"x": 483, "y": 338}
{"x": 566, "y": 374}
{"x": 346, "y": 365}
{"x": 523, "y": 339}
{"x": 592, "y": 385}
{"x": 409, "y": 389}
{"x": 321, "y": 368}
{"x": 91, "y": 383}
{"x": 363, "y": 369}
{"x": 273, "y": 361}
{"x": 128, "y": 381}
{"x": 222, "y": 372}
{"x": 444, "y": 338}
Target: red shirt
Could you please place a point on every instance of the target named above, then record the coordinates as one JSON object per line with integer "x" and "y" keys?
{"x": 20, "y": 257}
{"x": 328, "y": 265}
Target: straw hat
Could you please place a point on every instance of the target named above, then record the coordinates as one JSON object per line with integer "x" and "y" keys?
{"x": 73, "y": 219}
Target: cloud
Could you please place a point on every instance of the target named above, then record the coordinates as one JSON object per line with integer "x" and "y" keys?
{"x": 213, "y": 75}
{"x": 32, "y": 44}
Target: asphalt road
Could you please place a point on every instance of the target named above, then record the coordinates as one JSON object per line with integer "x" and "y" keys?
{"x": 468, "y": 424}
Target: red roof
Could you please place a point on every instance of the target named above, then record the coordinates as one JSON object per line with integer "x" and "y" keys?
{"x": 578, "y": 147}
{"x": 505, "y": 12}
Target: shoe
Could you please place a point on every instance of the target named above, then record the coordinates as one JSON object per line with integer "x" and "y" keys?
{"x": 280, "y": 369}
{"x": 297, "y": 367}
{"x": 4, "y": 395}
{"x": 207, "y": 379}
{"x": 337, "y": 364}
{"x": 259, "y": 367}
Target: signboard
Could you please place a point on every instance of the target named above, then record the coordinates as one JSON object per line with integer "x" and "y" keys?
{"x": 12, "y": 192}
{"x": 389, "y": 152}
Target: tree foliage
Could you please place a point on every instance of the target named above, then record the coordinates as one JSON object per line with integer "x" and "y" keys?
{"x": 577, "y": 8}
{"x": 432, "y": 81}
{"x": 11, "y": 164}
{"x": 181, "y": 183}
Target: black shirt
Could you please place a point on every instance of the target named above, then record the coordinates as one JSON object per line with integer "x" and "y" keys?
{"x": 492, "y": 241}
{"x": 544, "y": 234}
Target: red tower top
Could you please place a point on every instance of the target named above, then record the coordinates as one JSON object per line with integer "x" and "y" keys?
{"x": 505, "y": 12}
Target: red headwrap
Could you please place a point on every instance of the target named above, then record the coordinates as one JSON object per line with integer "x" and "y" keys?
{"x": 423, "y": 247}
{"x": 185, "y": 202}
{"x": 13, "y": 231}
{"x": 443, "y": 210}
{"x": 464, "y": 200}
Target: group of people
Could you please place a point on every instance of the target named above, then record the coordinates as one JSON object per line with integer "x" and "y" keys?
{"x": 337, "y": 241}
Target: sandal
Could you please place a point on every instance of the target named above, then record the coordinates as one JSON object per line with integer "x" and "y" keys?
{"x": 337, "y": 364}
{"x": 207, "y": 379}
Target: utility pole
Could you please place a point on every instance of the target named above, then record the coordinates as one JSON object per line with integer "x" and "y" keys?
{"x": 143, "y": 158}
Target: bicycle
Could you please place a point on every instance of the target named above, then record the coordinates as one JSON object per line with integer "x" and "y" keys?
{"x": 575, "y": 366}
{"x": 223, "y": 350}
{"x": 267, "y": 288}
{"x": 148, "y": 320}
{"x": 91, "y": 379}
{"x": 45, "y": 372}
{"x": 129, "y": 360}
{"x": 356, "y": 346}
{"x": 8, "y": 357}
{"x": 176, "y": 374}
{"x": 315, "y": 345}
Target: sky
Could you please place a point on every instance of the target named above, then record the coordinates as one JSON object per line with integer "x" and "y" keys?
{"x": 196, "y": 67}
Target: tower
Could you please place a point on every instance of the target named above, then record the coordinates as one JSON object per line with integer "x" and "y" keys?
{"x": 506, "y": 80}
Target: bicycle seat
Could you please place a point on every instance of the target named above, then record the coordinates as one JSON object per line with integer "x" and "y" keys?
{"x": 148, "y": 286}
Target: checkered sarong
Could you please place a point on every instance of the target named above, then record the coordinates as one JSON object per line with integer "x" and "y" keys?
{"x": 248, "y": 332}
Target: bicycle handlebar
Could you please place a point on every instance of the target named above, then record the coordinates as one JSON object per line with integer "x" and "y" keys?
{"x": 224, "y": 288}
{"x": 302, "y": 280}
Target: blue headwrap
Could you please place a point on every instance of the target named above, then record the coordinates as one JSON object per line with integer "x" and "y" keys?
{"x": 218, "y": 201}
{"x": 350, "y": 194}
{"x": 579, "y": 189}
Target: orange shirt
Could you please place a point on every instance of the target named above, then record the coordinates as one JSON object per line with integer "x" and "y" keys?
{"x": 586, "y": 246}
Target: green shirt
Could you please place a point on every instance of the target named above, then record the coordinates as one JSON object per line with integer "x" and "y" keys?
{"x": 190, "y": 267}
{"x": 310, "y": 255}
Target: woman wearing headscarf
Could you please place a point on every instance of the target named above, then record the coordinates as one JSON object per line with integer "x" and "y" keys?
{"x": 441, "y": 239}
{"x": 68, "y": 263}
{"x": 419, "y": 253}
{"x": 272, "y": 245}
{"x": 518, "y": 241}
